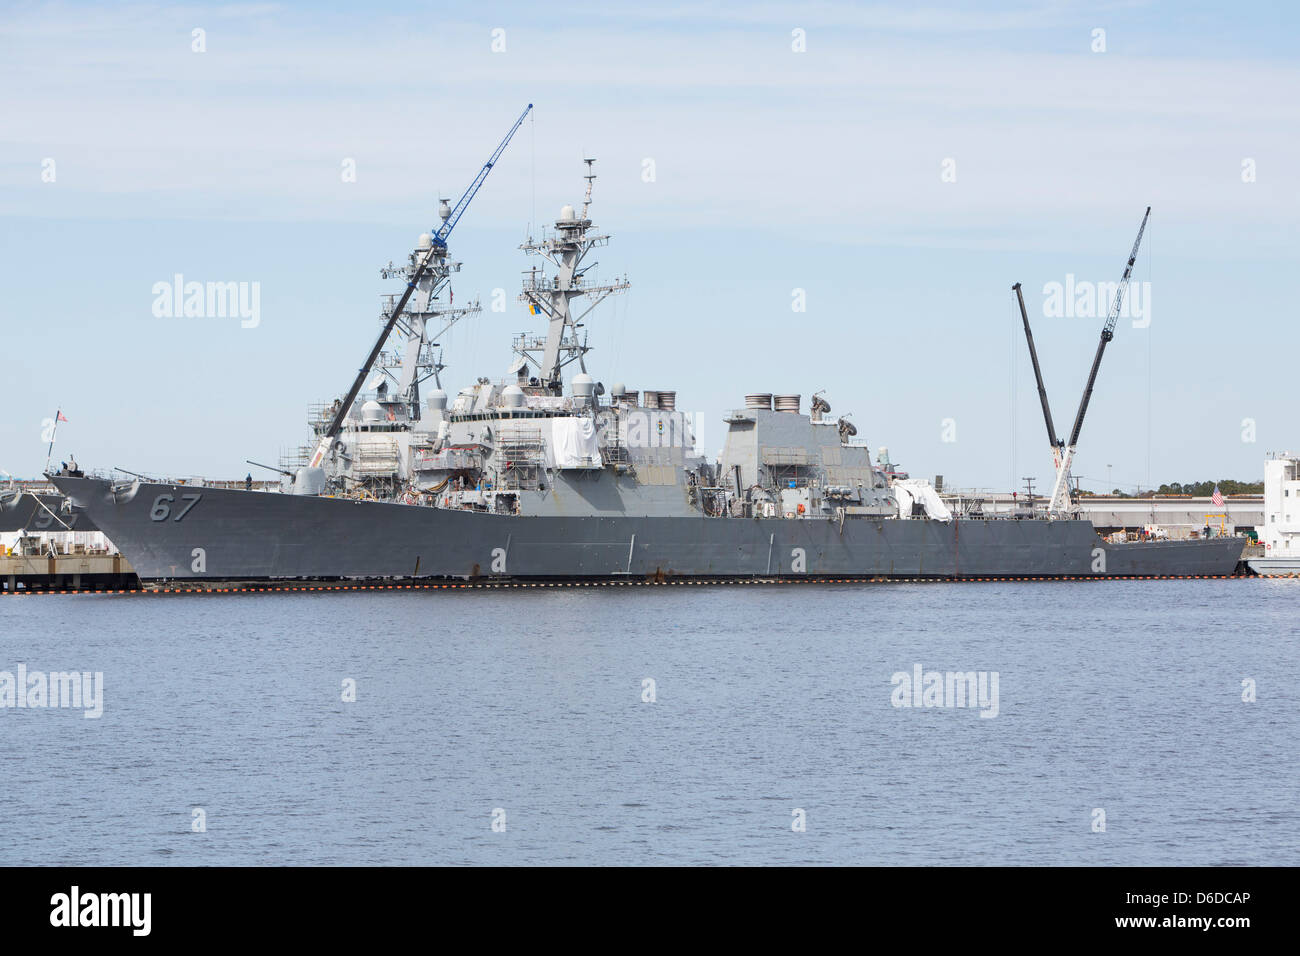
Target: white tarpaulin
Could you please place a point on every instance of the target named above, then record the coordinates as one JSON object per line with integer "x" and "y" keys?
{"x": 551, "y": 402}
{"x": 908, "y": 490}
{"x": 574, "y": 444}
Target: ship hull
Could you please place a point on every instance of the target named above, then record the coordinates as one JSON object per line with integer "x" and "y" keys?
{"x": 37, "y": 512}
{"x": 182, "y": 532}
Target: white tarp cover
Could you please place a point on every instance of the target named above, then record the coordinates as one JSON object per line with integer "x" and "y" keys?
{"x": 549, "y": 402}
{"x": 907, "y": 490}
{"x": 574, "y": 444}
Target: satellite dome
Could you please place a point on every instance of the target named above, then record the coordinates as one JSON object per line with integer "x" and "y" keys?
{"x": 512, "y": 396}
{"x": 583, "y": 385}
{"x": 372, "y": 412}
{"x": 566, "y": 212}
{"x": 618, "y": 390}
{"x": 424, "y": 242}
{"x": 437, "y": 399}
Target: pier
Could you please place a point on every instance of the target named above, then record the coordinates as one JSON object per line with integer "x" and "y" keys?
{"x": 66, "y": 572}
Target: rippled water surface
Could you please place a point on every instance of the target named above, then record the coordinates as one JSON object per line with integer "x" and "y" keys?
{"x": 1119, "y": 696}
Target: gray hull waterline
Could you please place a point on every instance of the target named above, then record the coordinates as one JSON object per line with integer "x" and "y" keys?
{"x": 245, "y": 536}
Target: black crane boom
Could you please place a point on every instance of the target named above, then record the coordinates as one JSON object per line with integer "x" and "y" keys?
{"x": 1107, "y": 333}
{"x": 438, "y": 247}
{"x": 1038, "y": 372}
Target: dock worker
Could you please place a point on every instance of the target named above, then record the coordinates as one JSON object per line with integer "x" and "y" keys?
{"x": 248, "y": 482}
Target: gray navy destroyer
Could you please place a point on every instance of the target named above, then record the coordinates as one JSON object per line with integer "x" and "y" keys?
{"x": 546, "y": 474}
{"x": 33, "y": 511}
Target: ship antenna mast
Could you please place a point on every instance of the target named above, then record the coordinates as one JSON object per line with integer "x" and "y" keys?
{"x": 552, "y": 296}
{"x": 590, "y": 177}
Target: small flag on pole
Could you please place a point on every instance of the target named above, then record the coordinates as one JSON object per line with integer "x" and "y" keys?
{"x": 60, "y": 417}
{"x": 1217, "y": 497}
{"x": 532, "y": 307}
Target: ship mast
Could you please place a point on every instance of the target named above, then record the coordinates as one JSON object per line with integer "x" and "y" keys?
{"x": 430, "y": 257}
{"x": 552, "y": 296}
{"x": 422, "y": 323}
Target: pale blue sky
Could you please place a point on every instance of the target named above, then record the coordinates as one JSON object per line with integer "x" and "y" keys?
{"x": 775, "y": 170}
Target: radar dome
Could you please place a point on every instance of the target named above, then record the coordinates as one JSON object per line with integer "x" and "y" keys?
{"x": 512, "y": 396}
{"x": 424, "y": 242}
{"x": 437, "y": 399}
{"x": 566, "y": 212}
{"x": 584, "y": 386}
{"x": 372, "y": 412}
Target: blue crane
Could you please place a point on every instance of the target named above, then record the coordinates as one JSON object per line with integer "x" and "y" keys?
{"x": 449, "y": 221}
{"x": 437, "y": 249}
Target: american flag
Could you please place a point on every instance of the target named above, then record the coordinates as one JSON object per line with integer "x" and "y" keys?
{"x": 1217, "y": 497}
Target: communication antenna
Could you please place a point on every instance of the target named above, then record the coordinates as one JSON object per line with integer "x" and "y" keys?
{"x": 586, "y": 201}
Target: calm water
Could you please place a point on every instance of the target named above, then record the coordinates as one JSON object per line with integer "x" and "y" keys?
{"x": 1120, "y": 696}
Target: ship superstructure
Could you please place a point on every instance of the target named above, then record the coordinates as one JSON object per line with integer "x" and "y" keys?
{"x": 374, "y": 450}
{"x": 527, "y": 445}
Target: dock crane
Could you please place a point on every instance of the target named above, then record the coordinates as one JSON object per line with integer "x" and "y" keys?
{"x": 1059, "y": 505}
{"x": 1055, "y": 442}
{"x": 436, "y": 253}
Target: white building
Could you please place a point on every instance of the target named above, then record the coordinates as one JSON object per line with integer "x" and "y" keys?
{"x": 1280, "y": 532}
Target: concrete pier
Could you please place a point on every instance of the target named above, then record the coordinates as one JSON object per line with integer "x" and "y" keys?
{"x": 65, "y": 572}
